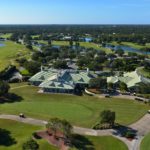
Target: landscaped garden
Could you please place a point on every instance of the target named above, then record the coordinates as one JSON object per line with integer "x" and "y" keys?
{"x": 15, "y": 134}
{"x": 79, "y": 110}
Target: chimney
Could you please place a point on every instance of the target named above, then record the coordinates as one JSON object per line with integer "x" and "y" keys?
{"x": 87, "y": 70}
{"x": 41, "y": 68}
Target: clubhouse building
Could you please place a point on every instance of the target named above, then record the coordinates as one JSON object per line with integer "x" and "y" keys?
{"x": 61, "y": 81}
{"x": 131, "y": 79}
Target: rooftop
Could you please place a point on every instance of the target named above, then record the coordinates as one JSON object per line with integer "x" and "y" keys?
{"x": 130, "y": 78}
{"x": 65, "y": 79}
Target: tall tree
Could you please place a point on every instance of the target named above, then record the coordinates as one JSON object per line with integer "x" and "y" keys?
{"x": 67, "y": 128}
{"x": 107, "y": 117}
{"x": 123, "y": 87}
{"x": 57, "y": 125}
{"x": 54, "y": 125}
{"x": 4, "y": 88}
{"x": 71, "y": 43}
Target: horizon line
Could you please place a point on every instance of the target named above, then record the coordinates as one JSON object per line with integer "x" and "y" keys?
{"x": 75, "y": 24}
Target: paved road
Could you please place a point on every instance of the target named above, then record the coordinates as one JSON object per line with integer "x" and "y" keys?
{"x": 142, "y": 125}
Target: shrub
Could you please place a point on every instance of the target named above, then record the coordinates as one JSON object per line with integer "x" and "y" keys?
{"x": 30, "y": 145}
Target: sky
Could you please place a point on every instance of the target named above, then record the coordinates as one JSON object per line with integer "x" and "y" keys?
{"x": 74, "y": 11}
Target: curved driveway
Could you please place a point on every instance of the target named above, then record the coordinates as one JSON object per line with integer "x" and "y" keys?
{"x": 142, "y": 127}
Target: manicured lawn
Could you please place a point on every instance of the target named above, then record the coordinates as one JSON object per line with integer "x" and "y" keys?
{"x": 60, "y": 43}
{"x": 15, "y": 134}
{"x": 84, "y": 44}
{"x": 35, "y": 36}
{"x": 145, "y": 145}
{"x": 107, "y": 143}
{"x": 79, "y": 110}
{"x": 134, "y": 45}
{"x": 99, "y": 143}
{"x": 10, "y": 52}
{"x": 95, "y": 46}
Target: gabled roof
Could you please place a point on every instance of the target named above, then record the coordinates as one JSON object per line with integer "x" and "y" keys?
{"x": 130, "y": 78}
{"x": 56, "y": 85}
{"x": 42, "y": 76}
{"x": 62, "y": 78}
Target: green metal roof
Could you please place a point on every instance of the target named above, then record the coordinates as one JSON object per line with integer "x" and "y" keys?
{"x": 65, "y": 79}
{"x": 42, "y": 76}
{"x": 130, "y": 78}
{"x": 56, "y": 85}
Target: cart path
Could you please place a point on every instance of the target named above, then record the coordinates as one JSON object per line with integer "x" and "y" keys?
{"x": 18, "y": 87}
{"x": 142, "y": 127}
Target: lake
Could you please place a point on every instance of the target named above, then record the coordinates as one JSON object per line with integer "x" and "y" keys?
{"x": 126, "y": 49}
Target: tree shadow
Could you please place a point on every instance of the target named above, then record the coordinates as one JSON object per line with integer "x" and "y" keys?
{"x": 5, "y": 138}
{"x": 82, "y": 143}
{"x": 10, "y": 98}
{"x": 121, "y": 130}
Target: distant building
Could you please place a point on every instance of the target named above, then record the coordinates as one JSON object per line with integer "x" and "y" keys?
{"x": 131, "y": 79}
{"x": 61, "y": 81}
{"x": 67, "y": 38}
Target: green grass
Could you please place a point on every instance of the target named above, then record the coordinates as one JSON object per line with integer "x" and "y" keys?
{"x": 107, "y": 143}
{"x": 133, "y": 45}
{"x": 95, "y": 46}
{"x": 99, "y": 143}
{"x": 79, "y": 110}
{"x": 35, "y": 36}
{"x": 144, "y": 72}
{"x": 7, "y": 35}
{"x": 84, "y": 44}
{"x": 42, "y": 41}
{"x": 60, "y": 43}
{"x": 20, "y": 132}
{"x": 10, "y": 52}
{"x": 24, "y": 72}
{"x": 145, "y": 145}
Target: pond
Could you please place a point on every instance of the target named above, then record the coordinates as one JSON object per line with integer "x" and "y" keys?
{"x": 88, "y": 39}
{"x": 2, "y": 45}
{"x": 126, "y": 49}
{"x": 56, "y": 46}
